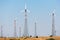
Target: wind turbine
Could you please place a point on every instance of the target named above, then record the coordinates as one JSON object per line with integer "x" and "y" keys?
{"x": 35, "y": 29}
{"x": 25, "y": 34}
{"x": 19, "y": 31}
{"x": 53, "y": 23}
{"x": 1, "y": 31}
{"x": 15, "y": 28}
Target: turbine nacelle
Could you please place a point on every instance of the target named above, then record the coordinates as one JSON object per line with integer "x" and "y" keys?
{"x": 25, "y": 10}
{"x": 53, "y": 13}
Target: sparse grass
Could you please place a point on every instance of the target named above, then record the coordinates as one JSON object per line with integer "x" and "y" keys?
{"x": 34, "y": 38}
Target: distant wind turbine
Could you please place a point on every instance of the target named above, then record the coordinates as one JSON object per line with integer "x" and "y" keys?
{"x": 26, "y": 26}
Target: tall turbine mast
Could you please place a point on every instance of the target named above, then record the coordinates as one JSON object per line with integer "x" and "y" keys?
{"x": 19, "y": 31}
{"x": 53, "y": 25}
{"x": 35, "y": 30}
{"x": 25, "y": 26}
{"x": 15, "y": 28}
{"x": 1, "y": 31}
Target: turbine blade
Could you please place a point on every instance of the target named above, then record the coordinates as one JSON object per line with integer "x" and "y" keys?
{"x": 54, "y": 11}
{"x": 22, "y": 11}
{"x": 25, "y": 6}
{"x": 28, "y": 11}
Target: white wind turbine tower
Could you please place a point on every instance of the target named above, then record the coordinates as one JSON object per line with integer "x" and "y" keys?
{"x": 35, "y": 29}
{"x": 15, "y": 35}
{"x": 1, "y": 31}
{"x": 25, "y": 34}
{"x": 53, "y": 24}
{"x": 19, "y": 31}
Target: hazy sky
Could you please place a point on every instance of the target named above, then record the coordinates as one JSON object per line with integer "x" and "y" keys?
{"x": 39, "y": 12}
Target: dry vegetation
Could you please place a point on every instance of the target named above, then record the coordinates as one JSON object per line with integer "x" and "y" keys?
{"x": 33, "y": 38}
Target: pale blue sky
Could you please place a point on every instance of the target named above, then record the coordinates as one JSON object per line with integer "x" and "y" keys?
{"x": 39, "y": 12}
